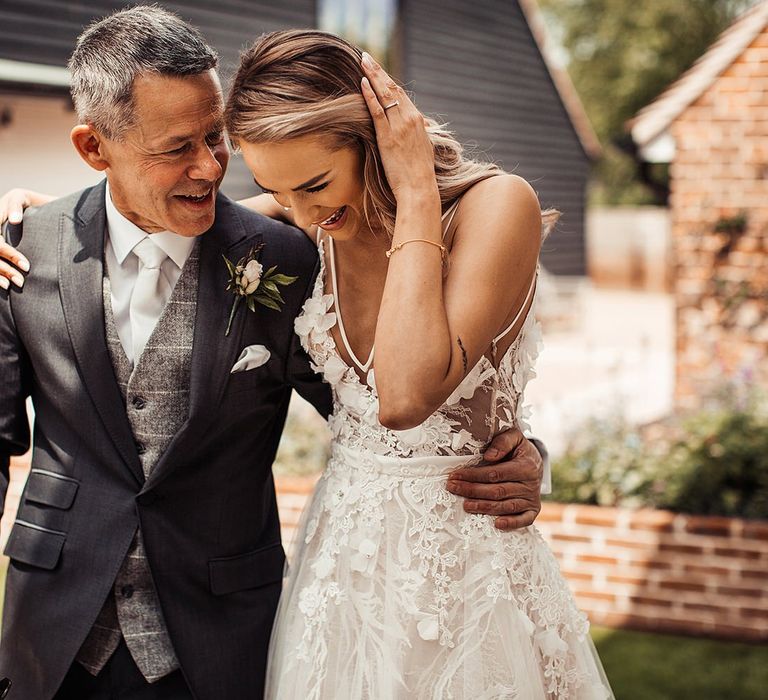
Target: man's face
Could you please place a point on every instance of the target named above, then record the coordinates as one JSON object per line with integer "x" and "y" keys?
{"x": 164, "y": 174}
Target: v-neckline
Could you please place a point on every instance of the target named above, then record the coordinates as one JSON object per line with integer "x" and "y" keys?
{"x": 364, "y": 381}
{"x": 366, "y": 366}
{"x": 363, "y": 367}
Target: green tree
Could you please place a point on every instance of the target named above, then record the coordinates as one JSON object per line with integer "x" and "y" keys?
{"x": 621, "y": 55}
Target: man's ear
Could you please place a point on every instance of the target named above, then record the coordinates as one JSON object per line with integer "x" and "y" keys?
{"x": 89, "y": 143}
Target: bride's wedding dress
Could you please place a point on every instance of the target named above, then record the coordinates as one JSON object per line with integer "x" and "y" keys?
{"x": 394, "y": 592}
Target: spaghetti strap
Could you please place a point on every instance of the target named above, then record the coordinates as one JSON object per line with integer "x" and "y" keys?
{"x": 447, "y": 217}
{"x": 520, "y": 312}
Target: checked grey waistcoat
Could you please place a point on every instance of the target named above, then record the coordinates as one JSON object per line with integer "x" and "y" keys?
{"x": 156, "y": 396}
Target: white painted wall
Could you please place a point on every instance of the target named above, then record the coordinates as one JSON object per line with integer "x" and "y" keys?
{"x": 35, "y": 151}
{"x": 629, "y": 247}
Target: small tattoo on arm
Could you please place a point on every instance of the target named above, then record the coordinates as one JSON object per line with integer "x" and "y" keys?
{"x": 463, "y": 354}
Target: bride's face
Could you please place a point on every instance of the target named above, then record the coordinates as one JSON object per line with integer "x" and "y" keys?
{"x": 322, "y": 185}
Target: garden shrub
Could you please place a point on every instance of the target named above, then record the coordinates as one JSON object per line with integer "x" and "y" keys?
{"x": 712, "y": 462}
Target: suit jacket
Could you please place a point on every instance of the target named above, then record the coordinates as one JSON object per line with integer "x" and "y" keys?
{"x": 207, "y": 511}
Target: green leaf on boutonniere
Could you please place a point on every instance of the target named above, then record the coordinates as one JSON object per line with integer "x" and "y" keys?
{"x": 283, "y": 279}
{"x": 269, "y": 303}
{"x": 247, "y": 280}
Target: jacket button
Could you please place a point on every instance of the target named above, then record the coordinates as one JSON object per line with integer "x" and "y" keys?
{"x": 138, "y": 402}
{"x": 127, "y": 591}
{"x": 140, "y": 448}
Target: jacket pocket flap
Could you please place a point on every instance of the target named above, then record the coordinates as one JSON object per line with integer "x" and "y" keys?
{"x": 50, "y": 489}
{"x": 251, "y": 570}
{"x": 35, "y": 545}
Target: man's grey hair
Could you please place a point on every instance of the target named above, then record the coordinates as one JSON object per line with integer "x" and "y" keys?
{"x": 111, "y": 53}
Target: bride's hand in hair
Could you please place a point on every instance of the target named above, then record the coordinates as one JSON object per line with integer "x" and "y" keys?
{"x": 406, "y": 150}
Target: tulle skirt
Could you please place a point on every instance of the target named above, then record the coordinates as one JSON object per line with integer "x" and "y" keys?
{"x": 394, "y": 592}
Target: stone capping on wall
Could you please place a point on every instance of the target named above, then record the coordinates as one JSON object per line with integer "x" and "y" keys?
{"x": 642, "y": 569}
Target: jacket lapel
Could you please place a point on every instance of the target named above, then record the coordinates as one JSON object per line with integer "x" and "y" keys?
{"x": 213, "y": 352}
{"x": 81, "y": 271}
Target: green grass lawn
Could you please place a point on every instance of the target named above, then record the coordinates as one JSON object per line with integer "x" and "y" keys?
{"x": 642, "y": 666}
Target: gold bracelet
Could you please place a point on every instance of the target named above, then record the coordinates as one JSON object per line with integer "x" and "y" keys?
{"x": 395, "y": 248}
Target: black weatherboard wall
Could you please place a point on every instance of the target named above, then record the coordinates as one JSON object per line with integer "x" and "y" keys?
{"x": 477, "y": 64}
{"x": 44, "y": 31}
{"x": 473, "y": 62}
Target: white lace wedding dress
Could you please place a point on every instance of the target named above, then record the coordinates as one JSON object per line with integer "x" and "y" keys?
{"x": 394, "y": 592}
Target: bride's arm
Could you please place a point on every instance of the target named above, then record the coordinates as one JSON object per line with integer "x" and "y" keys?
{"x": 12, "y": 206}
{"x": 432, "y": 331}
{"x": 15, "y": 201}
{"x": 265, "y": 204}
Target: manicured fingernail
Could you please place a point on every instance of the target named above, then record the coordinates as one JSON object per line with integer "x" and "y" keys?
{"x": 23, "y": 264}
{"x": 4, "y": 283}
{"x": 491, "y": 453}
{"x": 18, "y": 280}
{"x": 471, "y": 505}
{"x": 367, "y": 60}
{"x": 501, "y": 523}
{"x": 15, "y": 217}
{"x": 451, "y": 486}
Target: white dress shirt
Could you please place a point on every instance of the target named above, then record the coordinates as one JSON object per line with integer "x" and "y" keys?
{"x": 123, "y": 265}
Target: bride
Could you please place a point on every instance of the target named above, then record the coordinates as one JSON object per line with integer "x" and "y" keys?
{"x": 422, "y": 321}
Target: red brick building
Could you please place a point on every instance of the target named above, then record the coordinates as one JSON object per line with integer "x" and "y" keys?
{"x": 711, "y": 126}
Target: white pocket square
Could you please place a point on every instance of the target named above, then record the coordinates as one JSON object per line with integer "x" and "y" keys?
{"x": 250, "y": 358}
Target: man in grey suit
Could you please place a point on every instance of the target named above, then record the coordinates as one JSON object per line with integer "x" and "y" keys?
{"x": 146, "y": 559}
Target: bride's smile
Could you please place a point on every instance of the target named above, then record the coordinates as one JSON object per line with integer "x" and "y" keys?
{"x": 319, "y": 182}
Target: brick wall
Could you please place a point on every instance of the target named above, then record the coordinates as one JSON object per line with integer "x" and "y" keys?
{"x": 645, "y": 569}
{"x": 721, "y": 169}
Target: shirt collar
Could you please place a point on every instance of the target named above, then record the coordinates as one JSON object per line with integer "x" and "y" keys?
{"x": 125, "y": 235}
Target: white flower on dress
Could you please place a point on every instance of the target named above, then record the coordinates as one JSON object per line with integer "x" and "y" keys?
{"x": 413, "y": 437}
{"x": 428, "y": 628}
{"x": 310, "y": 600}
{"x": 334, "y": 369}
{"x": 315, "y": 316}
{"x": 324, "y": 565}
{"x": 352, "y": 395}
{"x": 460, "y": 439}
{"x": 363, "y": 559}
{"x": 471, "y": 383}
{"x": 353, "y": 494}
{"x": 551, "y": 643}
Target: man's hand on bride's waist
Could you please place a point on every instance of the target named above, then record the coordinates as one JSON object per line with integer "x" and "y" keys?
{"x": 507, "y": 485}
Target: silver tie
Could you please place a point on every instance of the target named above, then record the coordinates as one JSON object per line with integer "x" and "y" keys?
{"x": 150, "y": 294}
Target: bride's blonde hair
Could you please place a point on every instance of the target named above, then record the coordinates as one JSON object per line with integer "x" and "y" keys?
{"x": 307, "y": 82}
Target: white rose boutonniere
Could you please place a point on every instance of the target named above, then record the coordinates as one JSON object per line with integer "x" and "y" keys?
{"x": 250, "y": 283}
